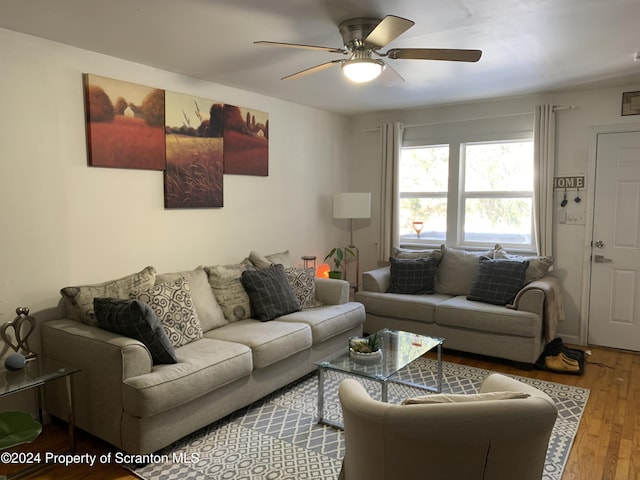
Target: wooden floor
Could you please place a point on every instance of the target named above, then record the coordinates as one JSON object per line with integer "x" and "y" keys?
{"x": 607, "y": 445}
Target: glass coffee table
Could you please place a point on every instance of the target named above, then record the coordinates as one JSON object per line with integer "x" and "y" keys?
{"x": 399, "y": 349}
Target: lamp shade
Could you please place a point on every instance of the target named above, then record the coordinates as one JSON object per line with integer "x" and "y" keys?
{"x": 352, "y": 205}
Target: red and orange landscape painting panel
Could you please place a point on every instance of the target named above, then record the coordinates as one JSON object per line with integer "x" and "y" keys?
{"x": 125, "y": 124}
{"x": 246, "y": 141}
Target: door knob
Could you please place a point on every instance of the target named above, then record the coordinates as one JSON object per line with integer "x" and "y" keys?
{"x": 602, "y": 259}
{"x": 599, "y": 244}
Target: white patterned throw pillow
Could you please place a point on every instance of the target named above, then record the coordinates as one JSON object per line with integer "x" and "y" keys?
{"x": 172, "y": 303}
{"x": 303, "y": 284}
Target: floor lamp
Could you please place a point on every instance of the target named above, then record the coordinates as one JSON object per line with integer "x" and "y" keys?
{"x": 352, "y": 205}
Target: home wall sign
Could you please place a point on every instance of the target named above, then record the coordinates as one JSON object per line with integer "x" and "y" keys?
{"x": 569, "y": 182}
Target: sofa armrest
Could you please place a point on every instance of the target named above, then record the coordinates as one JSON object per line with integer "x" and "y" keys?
{"x": 105, "y": 359}
{"x": 378, "y": 280}
{"x": 331, "y": 291}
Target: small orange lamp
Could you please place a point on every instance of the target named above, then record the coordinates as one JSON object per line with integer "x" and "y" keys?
{"x": 323, "y": 270}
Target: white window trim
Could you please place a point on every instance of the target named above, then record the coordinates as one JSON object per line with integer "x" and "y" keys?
{"x": 455, "y": 199}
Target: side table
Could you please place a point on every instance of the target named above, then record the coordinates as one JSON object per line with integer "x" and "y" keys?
{"x": 36, "y": 373}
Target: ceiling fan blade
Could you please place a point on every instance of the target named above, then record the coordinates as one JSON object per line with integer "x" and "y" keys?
{"x": 390, "y": 77}
{"x": 452, "y": 55}
{"x": 389, "y": 28}
{"x": 298, "y": 45}
{"x": 309, "y": 70}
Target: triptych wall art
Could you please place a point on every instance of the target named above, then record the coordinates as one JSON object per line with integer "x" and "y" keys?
{"x": 195, "y": 141}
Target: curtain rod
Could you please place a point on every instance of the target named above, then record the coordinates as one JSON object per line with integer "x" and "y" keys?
{"x": 555, "y": 109}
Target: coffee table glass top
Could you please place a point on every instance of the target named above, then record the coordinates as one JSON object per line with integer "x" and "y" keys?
{"x": 399, "y": 349}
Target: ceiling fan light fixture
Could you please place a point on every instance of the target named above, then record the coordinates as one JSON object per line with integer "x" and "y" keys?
{"x": 362, "y": 70}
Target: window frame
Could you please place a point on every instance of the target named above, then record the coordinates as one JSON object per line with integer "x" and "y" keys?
{"x": 456, "y": 194}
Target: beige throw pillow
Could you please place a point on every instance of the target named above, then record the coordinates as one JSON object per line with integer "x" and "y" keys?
{"x": 538, "y": 266}
{"x": 457, "y": 269}
{"x": 79, "y": 299}
{"x": 228, "y": 290}
{"x": 264, "y": 261}
{"x": 460, "y": 398}
{"x": 407, "y": 253}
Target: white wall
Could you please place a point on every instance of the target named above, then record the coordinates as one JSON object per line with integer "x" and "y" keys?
{"x": 63, "y": 223}
{"x": 574, "y": 134}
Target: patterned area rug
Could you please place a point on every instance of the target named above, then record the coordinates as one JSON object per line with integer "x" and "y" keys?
{"x": 278, "y": 437}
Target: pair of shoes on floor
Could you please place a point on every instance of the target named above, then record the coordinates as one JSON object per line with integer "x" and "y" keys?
{"x": 561, "y": 362}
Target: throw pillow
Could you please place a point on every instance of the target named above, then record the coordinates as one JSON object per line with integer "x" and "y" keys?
{"x": 173, "y": 304}
{"x": 269, "y": 292}
{"x": 228, "y": 290}
{"x": 413, "y": 276}
{"x": 498, "y": 281}
{"x": 263, "y": 261}
{"x": 209, "y": 311}
{"x": 135, "y": 319}
{"x": 79, "y": 300}
{"x": 303, "y": 283}
{"x": 457, "y": 269}
{"x": 538, "y": 266}
{"x": 461, "y": 397}
{"x": 410, "y": 253}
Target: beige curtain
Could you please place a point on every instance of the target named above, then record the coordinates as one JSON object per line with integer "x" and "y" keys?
{"x": 544, "y": 137}
{"x": 391, "y": 136}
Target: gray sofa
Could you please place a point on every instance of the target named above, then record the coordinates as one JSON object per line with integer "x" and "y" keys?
{"x": 518, "y": 331}
{"x": 122, "y": 397}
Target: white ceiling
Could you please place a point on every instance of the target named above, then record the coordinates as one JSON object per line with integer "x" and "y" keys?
{"x": 529, "y": 46}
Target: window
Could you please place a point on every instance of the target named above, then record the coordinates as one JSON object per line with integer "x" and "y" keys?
{"x": 424, "y": 179}
{"x": 468, "y": 194}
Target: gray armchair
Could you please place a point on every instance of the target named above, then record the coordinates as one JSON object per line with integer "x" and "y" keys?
{"x": 488, "y": 439}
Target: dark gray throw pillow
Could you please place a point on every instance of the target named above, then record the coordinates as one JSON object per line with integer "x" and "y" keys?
{"x": 269, "y": 292}
{"x": 498, "y": 281}
{"x": 413, "y": 276}
{"x": 135, "y": 319}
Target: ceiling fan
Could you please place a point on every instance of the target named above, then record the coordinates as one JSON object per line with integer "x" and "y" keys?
{"x": 364, "y": 37}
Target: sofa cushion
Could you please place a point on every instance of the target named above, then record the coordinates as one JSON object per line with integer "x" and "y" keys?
{"x": 135, "y": 319}
{"x": 264, "y": 261}
{"x": 498, "y": 281}
{"x": 329, "y": 320}
{"x": 173, "y": 304}
{"x": 203, "y": 366}
{"x": 457, "y": 269}
{"x": 463, "y": 398}
{"x": 413, "y": 276}
{"x": 209, "y": 312}
{"x": 79, "y": 299}
{"x": 228, "y": 290}
{"x": 465, "y": 314}
{"x": 395, "y": 305}
{"x": 269, "y": 292}
{"x": 270, "y": 342}
{"x": 538, "y": 266}
{"x": 303, "y": 283}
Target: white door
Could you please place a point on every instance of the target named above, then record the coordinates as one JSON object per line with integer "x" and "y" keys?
{"x": 614, "y": 311}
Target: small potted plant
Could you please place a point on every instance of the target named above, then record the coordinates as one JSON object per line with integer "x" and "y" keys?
{"x": 365, "y": 347}
{"x": 339, "y": 256}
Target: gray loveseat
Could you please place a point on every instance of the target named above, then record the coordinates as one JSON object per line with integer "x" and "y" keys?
{"x": 517, "y": 331}
{"x": 122, "y": 397}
